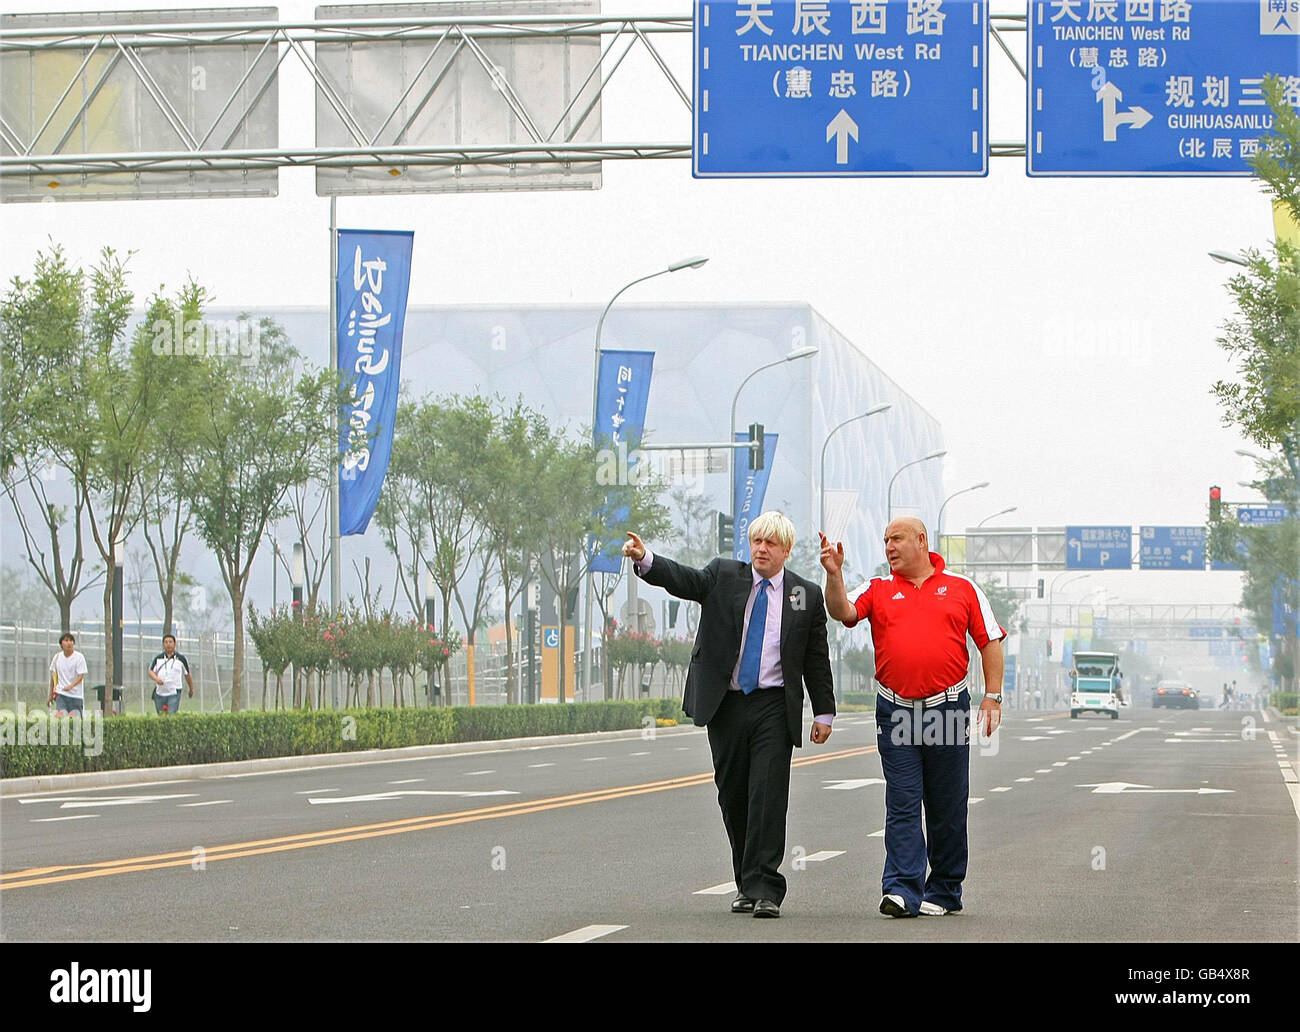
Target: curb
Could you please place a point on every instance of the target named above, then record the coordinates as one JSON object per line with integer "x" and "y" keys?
{"x": 10, "y": 787}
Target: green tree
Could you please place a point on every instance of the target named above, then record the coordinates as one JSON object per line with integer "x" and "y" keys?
{"x": 259, "y": 430}
{"x": 1262, "y": 400}
{"x": 44, "y": 325}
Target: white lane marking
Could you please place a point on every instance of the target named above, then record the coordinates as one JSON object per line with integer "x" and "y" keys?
{"x": 639, "y": 754}
{"x": 315, "y": 791}
{"x": 725, "y": 889}
{"x": 1202, "y": 729}
{"x": 476, "y": 773}
{"x": 1295, "y": 798}
{"x": 1058, "y": 731}
{"x": 209, "y": 802}
{"x": 877, "y": 834}
{"x": 1124, "y": 788}
{"x": 593, "y": 759}
{"x": 1075, "y": 757}
{"x": 406, "y": 781}
{"x": 74, "y": 802}
{"x": 587, "y": 933}
{"x": 1203, "y": 741}
{"x": 683, "y": 748}
{"x": 1266, "y": 718}
{"x": 1043, "y": 770}
{"x": 1019, "y": 780}
{"x": 534, "y": 766}
{"x": 1274, "y": 737}
{"x": 380, "y": 796}
{"x": 1060, "y": 763}
{"x": 1033, "y": 720}
{"x": 74, "y": 817}
{"x": 974, "y": 799}
{"x": 823, "y": 854}
{"x": 1001, "y": 788}
{"x": 844, "y": 786}
{"x": 1086, "y": 752}
{"x": 1033, "y": 738}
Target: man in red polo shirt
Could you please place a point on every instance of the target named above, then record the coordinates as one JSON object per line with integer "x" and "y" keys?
{"x": 920, "y": 616}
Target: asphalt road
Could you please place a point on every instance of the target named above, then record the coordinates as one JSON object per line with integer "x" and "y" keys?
{"x": 1161, "y": 826}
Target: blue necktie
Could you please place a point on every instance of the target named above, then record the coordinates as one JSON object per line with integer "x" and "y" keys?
{"x": 748, "y": 676}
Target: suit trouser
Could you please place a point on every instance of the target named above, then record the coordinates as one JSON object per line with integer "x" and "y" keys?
{"x": 926, "y": 763}
{"x": 751, "y": 767}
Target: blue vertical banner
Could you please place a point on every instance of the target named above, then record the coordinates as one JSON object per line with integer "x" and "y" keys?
{"x": 748, "y": 489}
{"x": 1286, "y": 617}
{"x": 373, "y": 281}
{"x": 622, "y": 396}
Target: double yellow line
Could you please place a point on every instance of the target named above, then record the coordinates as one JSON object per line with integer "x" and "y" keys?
{"x": 332, "y": 836}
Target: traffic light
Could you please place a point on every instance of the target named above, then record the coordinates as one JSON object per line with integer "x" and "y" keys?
{"x": 1049, "y": 648}
{"x": 1216, "y": 495}
{"x": 756, "y": 445}
{"x": 726, "y": 534}
{"x": 1040, "y": 587}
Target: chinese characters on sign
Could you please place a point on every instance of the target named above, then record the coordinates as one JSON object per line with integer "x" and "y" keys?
{"x": 1155, "y": 87}
{"x": 840, "y": 87}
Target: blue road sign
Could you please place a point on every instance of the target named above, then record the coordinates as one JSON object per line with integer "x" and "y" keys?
{"x": 840, "y": 88}
{"x": 1205, "y": 632}
{"x": 550, "y": 637}
{"x": 1009, "y": 674}
{"x": 1261, "y": 515}
{"x": 1155, "y": 87}
{"x": 1098, "y": 548}
{"x": 1171, "y": 548}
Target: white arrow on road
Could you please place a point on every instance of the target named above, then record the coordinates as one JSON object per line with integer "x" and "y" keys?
{"x": 844, "y": 786}
{"x": 1124, "y": 788}
{"x": 840, "y": 128}
{"x": 374, "y": 796}
{"x": 75, "y": 802}
{"x": 1136, "y": 117}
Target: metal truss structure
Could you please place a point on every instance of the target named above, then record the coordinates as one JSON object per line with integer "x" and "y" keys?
{"x": 374, "y": 143}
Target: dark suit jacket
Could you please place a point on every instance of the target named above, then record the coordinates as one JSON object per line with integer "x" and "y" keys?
{"x": 722, "y": 588}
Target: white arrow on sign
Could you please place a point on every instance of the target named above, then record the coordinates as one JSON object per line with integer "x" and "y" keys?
{"x": 1136, "y": 117}
{"x": 840, "y": 128}
{"x": 844, "y": 786}
{"x": 1124, "y": 788}
{"x": 409, "y": 792}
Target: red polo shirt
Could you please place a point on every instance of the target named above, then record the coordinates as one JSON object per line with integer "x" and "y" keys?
{"x": 919, "y": 634}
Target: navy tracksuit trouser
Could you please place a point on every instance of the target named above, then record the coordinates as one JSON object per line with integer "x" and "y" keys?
{"x": 926, "y": 764}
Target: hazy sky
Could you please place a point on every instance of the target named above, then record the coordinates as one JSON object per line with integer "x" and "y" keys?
{"x": 1063, "y": 331}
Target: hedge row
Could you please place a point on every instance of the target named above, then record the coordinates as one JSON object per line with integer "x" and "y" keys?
{"x": 1287, "y": 702}
{"x": 28, "y": 746}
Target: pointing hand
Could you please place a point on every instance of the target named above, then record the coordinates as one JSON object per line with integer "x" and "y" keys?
{"x": 633, "y": 548}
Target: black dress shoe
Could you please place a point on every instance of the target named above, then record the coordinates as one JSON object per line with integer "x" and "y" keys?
{"x": 766, "y": 908}
{"x": 742, "y": 904}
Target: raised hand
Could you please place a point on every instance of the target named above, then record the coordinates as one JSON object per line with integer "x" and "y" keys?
{"x": 832, "y": 557}
{"x": 634, "y": 548}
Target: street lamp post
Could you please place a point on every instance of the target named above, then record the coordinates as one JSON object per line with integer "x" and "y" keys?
{"x": 889, "y": 494}
{"x": 685, "y": 263}
{"x": 1050, "y": 623}
{"x": 1000, "y": 512}
{"x": 821, "y": 481}
{"x": 938, "y": 525}
{"x": 804, "y": 352}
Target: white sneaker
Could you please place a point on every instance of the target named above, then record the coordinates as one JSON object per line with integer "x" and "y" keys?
{"x": 929, "y": 909}
{"x": 892, "y": 905}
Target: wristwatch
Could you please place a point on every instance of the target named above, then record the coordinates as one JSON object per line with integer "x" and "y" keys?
{"x": 995, "y": 696}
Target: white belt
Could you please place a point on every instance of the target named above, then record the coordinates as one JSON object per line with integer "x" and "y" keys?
{"x": 937, "y": 699}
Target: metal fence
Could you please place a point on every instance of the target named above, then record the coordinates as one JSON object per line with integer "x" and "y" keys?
{"x": 26, "y": 652}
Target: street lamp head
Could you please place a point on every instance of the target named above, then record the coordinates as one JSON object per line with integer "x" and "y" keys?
{"x": 877, "y": 409}
{"x": 1228, "y": 258}
{"x": 688, "y": 263}
{"x": 979, "y": 485}
{"x": 1249, "y": 454}
{"x": 934, "y": 455}
{"x": 804, "y": 352}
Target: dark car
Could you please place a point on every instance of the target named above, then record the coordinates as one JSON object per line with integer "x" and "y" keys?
{"x": 1175, "y": 694}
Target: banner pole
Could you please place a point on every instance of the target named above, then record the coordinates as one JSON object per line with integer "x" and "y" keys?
{"x": 335, "y": 540}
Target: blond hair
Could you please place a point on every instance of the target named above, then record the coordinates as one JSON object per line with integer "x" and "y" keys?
{"x": 772, "y": 526}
